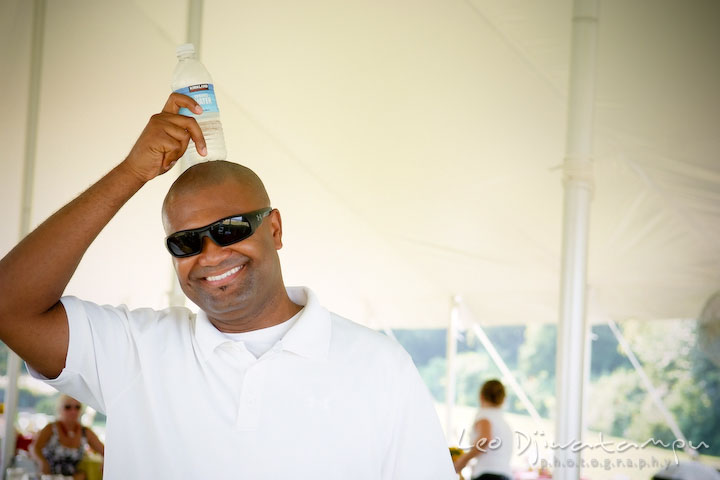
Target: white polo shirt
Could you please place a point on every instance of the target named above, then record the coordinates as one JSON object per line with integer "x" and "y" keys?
{"x": 331, "y": 399}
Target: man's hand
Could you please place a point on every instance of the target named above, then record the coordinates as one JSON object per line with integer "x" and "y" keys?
{"x": 165, "y": 139}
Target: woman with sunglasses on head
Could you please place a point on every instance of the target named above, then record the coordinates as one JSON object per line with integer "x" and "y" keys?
{"x": 61, "y": 445}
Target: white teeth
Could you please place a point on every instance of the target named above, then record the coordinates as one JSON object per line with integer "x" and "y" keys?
{"x": 224, "y": 275}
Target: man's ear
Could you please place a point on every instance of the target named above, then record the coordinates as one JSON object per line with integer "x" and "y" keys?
{"x": 276, "y": 228}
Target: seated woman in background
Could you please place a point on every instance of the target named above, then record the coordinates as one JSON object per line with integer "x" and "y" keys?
{"x": 61, "y": 445}
{"x": 491, "y": 437}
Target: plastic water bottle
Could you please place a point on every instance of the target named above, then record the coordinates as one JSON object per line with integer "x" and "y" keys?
{"x": 191, "y": 78}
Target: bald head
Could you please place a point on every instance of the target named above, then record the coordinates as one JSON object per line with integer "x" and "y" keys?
{"x": 208, "y": 174}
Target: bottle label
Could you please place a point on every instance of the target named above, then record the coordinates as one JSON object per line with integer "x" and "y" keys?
{"x": 203, "y": 94}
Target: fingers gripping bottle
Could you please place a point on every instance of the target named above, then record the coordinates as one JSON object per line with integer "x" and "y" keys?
{"x": 191, "y": 78}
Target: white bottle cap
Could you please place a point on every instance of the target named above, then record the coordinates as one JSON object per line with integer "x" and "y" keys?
{"x": 184, "y": 49}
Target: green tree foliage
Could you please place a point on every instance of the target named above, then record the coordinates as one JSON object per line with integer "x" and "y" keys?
{"x": 47, "y": 405}
{"x": 614, "y": 400}
{"x": 434, "y": 375}
{"x": 506, "y": 340}
{"x": 705, "y": 389}
{"x": 27, "y": 400}
{"x": 473, "y": 365}
{"x": 606, "y": 355}
{"x": 472, "y": 369}
{"x": 427, "y": 344}
{"x": 687, "y": 381}
{"x": 536, "y": 364}
{"x": 423, "y": 345}
{"x": 617, "y": 402}
{"x": 3, "y": 358}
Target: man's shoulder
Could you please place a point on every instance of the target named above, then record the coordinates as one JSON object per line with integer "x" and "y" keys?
{"x": 140, "y": 319}
{"x": 350, "y": 338}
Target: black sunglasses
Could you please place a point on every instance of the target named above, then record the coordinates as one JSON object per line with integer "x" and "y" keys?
{"x": 224, "y": 232}
{"x": 70, "y": 407}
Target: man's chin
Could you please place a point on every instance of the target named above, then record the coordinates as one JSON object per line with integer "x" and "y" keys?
{"x": 226, "y": 306}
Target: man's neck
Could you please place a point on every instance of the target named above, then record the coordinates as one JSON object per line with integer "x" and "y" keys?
{"x": 275, "y": 312}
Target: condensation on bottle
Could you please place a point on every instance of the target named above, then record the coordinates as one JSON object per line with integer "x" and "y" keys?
{"x": 191, "y": 78}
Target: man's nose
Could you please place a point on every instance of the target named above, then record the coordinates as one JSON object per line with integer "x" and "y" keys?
{"x": 212, "y": 253}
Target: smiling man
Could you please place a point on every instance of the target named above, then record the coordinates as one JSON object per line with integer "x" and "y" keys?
{"x": 263, "y": 382}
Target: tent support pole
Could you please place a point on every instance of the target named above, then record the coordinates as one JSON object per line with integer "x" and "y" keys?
{"x": 450, "y": 366}
{"x": 578, "y": 183}
{"x": 193, "y": 34}
{"x": 31, "y": 130}
{"x": 654, "y": 394}
{"x": 194, "y": 25}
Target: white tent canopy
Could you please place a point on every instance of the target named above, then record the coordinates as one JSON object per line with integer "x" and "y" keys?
{"x": 413, "y": 148}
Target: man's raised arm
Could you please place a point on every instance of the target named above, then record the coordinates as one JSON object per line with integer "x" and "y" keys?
{"x": 35, "y": 273}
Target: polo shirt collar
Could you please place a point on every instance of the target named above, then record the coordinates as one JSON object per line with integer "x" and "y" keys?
{"x": 309, "y": 336}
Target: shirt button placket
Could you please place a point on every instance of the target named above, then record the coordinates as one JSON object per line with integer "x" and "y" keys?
{"x": 249, "y": 405}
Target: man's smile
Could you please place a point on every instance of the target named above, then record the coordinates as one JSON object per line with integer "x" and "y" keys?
{"x": 224, "y": 278}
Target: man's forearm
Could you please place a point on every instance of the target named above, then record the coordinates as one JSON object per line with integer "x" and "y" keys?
{"x": 35, "y": 273}
{"x": 33, "y": 276}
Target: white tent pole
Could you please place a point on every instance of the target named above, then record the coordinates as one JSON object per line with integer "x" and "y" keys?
{"x": 654, "y": 394}
{"x": 450, "y": 366}
{"x": 194, "y": 24}
{"x": 193, "y": 34}
{"x": 31, "y": 128}
{"x": 578, "y": 196}
{"x": 586, "y": 375}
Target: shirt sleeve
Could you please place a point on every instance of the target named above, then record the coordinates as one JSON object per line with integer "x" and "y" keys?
{"x": 418, "y": 448}
{"x": 102, "y": 355}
